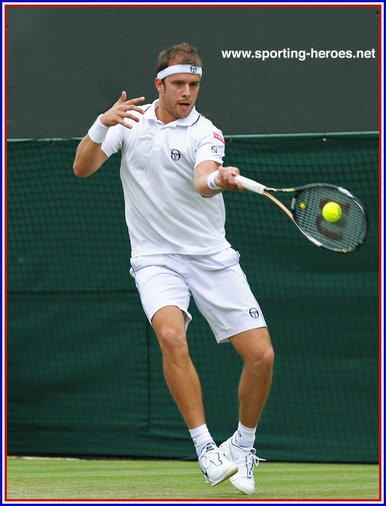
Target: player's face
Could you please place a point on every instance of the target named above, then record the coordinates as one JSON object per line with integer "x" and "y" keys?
{"x": 177, "y": 94}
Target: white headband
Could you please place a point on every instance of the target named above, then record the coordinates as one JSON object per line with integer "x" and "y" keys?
{"x": 180, "y": 69}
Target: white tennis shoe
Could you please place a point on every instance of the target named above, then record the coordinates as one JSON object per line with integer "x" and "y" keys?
{"x": 215, "y": 466}
{"x": 246, "y": 461}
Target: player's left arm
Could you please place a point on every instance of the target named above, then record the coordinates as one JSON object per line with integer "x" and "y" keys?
{"x": 225, "y": 179}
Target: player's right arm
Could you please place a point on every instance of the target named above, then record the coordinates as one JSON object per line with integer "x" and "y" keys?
{"x": 89, "y": 155}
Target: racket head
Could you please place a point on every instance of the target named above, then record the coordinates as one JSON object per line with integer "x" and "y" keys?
{"x": 342, "y": 236}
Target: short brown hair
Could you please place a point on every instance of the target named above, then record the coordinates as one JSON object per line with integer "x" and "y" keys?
{"x": 184, "y": 53}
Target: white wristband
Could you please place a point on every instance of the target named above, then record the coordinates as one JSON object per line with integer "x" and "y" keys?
{"x": 98, "y": 131}
{"x": 210, "y": 181}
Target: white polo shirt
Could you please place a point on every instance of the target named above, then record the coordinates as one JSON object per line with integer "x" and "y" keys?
{"x": 164, "y": 213}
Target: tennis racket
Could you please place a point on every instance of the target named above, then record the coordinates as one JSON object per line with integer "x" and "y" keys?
{"x": 344, "y": 235}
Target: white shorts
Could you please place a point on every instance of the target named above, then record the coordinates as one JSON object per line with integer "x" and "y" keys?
{"x": 216, "y": 282}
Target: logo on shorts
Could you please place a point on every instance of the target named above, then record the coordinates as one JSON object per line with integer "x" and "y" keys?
{"x": 175, "y": 154}
{"x": 214, "y": 149}
{"x": 193, "y": 69}
{"x": 254, "y": 313}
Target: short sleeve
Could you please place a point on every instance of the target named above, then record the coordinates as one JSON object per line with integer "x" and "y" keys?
{"x": 210, "y": 147}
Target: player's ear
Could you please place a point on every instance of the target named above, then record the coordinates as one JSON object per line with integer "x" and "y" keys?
{"x": 158, "y": 84}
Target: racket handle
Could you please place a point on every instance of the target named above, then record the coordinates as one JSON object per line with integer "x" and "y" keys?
{"x": 251, "y": 185}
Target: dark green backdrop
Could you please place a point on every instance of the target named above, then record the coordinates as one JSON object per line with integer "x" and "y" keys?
{"x": 84, "y": 368}
{"x": 65, "y": 64}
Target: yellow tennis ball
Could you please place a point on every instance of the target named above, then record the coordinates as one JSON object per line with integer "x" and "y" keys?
{"x": 332, "y": 212}
{"x": 302, "y": 205}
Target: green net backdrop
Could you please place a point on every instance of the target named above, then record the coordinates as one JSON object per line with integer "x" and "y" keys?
{"x": 84, "y": 373}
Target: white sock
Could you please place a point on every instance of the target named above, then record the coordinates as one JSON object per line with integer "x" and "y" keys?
{"x": 245, "y": 436}
{"x": 201, "y": 437}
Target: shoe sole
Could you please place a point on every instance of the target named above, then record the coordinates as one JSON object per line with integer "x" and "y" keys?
{"x": 242, "y": 490}
{"x": 231, "y": 473}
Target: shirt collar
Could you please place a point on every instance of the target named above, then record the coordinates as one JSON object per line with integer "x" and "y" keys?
{"x": 188, "y": 121}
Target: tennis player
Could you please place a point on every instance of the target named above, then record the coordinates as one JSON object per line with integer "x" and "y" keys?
{"x": 175, "y": 214}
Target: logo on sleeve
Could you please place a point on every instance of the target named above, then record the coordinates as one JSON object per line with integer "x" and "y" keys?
{"x": 214, "y": 149}
{"x": 175, "y": 154}
{"x": 219, "y": 137}
{"x": 254, "y": 313}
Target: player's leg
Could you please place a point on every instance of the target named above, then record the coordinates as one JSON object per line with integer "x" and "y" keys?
{"x": 180, "y": 373}
{"x": 184, "y": 385}
{"x": 224, "y": 297}
{"x": 255, "y": 348}
{"x": 165, "y": 299}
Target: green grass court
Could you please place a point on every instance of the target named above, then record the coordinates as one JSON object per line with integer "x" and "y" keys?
{"x": 29, "y": 478}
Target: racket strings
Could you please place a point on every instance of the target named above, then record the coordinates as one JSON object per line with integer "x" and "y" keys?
{"x": 345, "y": 234}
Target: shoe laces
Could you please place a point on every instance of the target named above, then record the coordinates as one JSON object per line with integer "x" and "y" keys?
{"x": 256, "y": 458}
{"x": 252, "y": 459}
{"x": 250, "y": 454}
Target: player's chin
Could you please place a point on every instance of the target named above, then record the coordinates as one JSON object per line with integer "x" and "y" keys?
{"x": 183, "y": 110}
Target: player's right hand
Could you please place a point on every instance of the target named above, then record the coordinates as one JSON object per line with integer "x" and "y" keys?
{"x": 120, "y": 110}
{"x": 226, "y": 178}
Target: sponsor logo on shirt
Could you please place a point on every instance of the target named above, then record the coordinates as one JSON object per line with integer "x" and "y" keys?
{"x": 175, "y": 154}
{"x": 219, "y": 137}
{"x": 214, "y": 149}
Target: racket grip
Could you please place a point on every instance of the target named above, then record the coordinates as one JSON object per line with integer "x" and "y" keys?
{"x": 251, "y": 185}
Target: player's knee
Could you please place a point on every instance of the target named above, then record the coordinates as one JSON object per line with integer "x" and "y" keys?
{"x": 173, "y": 344}
{"x": 269, "y": 357}
{"x": 262, "y": 359}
